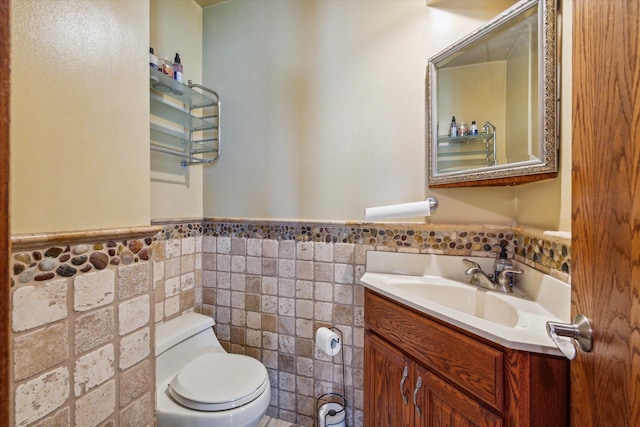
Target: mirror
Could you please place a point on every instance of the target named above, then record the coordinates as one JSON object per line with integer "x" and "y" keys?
{"x": 492, "y": 102}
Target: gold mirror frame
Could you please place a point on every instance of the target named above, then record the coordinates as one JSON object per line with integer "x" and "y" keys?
{"x": 513, "y": 173}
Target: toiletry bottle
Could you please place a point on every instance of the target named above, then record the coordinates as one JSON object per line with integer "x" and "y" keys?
{"x": 474, "y": 128}
{"x": 501, "y": 263}
{"x": 153, "y": 59}
{"x": 167, "y": 67}
{"x": 463, "y": 129}
{"x": 453, "y": 128}
{"x": 177, "y": 69}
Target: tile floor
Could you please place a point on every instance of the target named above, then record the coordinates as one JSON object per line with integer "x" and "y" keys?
{"x": 273, "y": 422}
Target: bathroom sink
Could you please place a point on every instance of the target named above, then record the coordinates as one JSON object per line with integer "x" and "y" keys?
{"x": 461, "y": 297}
{"x": 436, "y": 285}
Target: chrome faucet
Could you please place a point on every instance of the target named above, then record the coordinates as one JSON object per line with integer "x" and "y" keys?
{"x": 482, "y": 280}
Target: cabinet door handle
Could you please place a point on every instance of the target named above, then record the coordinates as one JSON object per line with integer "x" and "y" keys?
{"x": 415, "y": 396}
{"x": 405, "y": 374}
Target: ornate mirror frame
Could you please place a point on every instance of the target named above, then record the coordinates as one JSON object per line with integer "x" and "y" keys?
{"x": 548, "y": 101}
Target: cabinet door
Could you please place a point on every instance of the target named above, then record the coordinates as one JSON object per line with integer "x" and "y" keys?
{"x": 388, "y": 399}
{"x": 442, "y": 405}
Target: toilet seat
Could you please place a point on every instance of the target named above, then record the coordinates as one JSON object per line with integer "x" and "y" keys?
{"x": 219, "y": 381}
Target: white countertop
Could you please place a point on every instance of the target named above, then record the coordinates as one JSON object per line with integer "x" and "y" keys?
{"x": 436, "y": 285}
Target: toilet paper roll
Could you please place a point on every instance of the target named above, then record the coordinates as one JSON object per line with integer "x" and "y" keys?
{"x": 332, "y": 414}
{"x": 328, "y": 341}
{"x": 404, "y": 210}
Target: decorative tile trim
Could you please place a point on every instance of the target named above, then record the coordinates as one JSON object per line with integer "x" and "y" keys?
{"x": 464, "y": 239}
{"x": 178, "y": 229}
{"x": 75, "y": 252}
{"x": 39, "y": 240}
{"x": 547, "y": 251}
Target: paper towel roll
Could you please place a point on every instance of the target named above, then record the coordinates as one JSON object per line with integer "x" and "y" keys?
{"x": 328, "y": 341}
{"x": 404, "y": 210}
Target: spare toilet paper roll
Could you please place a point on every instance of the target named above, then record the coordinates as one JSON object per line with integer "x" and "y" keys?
{"x": 404, "y": 210}
{"x": 328, "y": 341}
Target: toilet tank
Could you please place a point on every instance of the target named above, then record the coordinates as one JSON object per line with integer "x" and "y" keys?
{"x": 181, "y": 328}
{"x": 182, "y": 339}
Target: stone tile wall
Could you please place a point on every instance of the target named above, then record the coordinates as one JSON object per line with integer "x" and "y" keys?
{"x": 177, "y": 276}
{"x": 268, "y": 298}
{"x": 83, "y": 313}
{"x": 82, "y": 334}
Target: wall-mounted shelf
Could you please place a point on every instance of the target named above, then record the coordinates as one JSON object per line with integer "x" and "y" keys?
{"x": 466, "y": 152}
{"x": 184, "y": 121}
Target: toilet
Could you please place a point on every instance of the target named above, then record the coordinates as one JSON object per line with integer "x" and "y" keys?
{"x": 199, "y": 384}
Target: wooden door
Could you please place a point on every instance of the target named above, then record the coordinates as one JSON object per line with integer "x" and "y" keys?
{"x": 443, "y": 405}
{"x": 386, "y": 367}
{"x": 5, "y": 358}
{"x": 605, "y": 383}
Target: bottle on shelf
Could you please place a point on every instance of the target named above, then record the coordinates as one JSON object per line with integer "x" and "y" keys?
{"x": 453, "y": 132}
{"x": 474, "y": 128}
{"x": 177, "y": 69}
{"x": 463, "y": 129}
{"x": 167, "y": 67}
{"x": 153, "y": 59}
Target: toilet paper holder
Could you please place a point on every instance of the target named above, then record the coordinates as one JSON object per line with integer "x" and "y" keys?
{"x": 331, "y": 408}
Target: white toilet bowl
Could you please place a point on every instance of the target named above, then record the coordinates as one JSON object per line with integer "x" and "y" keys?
{"x": 199, "y": 384}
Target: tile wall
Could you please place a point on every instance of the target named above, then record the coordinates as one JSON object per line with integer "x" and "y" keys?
{"x": 269, "y": 296}
{"x": 177, "y": 276}
{"x": 82, "y": 334}
{"x": 83, "y": 313}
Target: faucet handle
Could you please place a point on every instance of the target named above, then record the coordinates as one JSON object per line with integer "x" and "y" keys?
{"x": 472, "y": 269}
{"x": 515, "y": 270}
{"x": 504, "y": 280}
{"x": 470, "y": 263}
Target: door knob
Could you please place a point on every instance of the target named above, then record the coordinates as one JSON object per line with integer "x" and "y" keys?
{"x": 567, "y": 335}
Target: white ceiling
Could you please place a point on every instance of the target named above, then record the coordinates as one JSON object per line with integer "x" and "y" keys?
{"x": 205, "y": 3}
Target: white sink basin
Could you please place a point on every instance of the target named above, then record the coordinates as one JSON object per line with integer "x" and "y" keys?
{"x": 436, "y": 285}
{"x": 460, "y": 297}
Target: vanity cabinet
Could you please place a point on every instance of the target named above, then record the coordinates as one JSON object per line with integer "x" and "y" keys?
{"x": 422, "y": 372}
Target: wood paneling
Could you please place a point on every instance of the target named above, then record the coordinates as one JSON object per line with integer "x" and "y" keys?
{"x": 606, "y": 210}
{"x": 5, "y": 354}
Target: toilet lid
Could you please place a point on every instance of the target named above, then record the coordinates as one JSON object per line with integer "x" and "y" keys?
{"x": 219, "y": 381}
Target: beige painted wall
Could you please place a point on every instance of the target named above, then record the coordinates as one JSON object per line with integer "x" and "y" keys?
{"x": 324, "y": 108}
{"x": 79, "y": 115}
{"x": 547, "y": 204}
{"x": 324, "y": 112}
{"x": 176, "y": 26}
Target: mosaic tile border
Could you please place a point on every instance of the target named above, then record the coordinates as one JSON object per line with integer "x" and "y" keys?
{"x": 47, "y": 256}
{"x": 549, "y": 252}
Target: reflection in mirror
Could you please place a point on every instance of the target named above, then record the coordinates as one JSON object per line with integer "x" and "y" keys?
{"x": 492, "y": 102}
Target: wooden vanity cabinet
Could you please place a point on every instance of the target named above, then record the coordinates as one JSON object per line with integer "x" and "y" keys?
{"x": 422, "y": 372}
